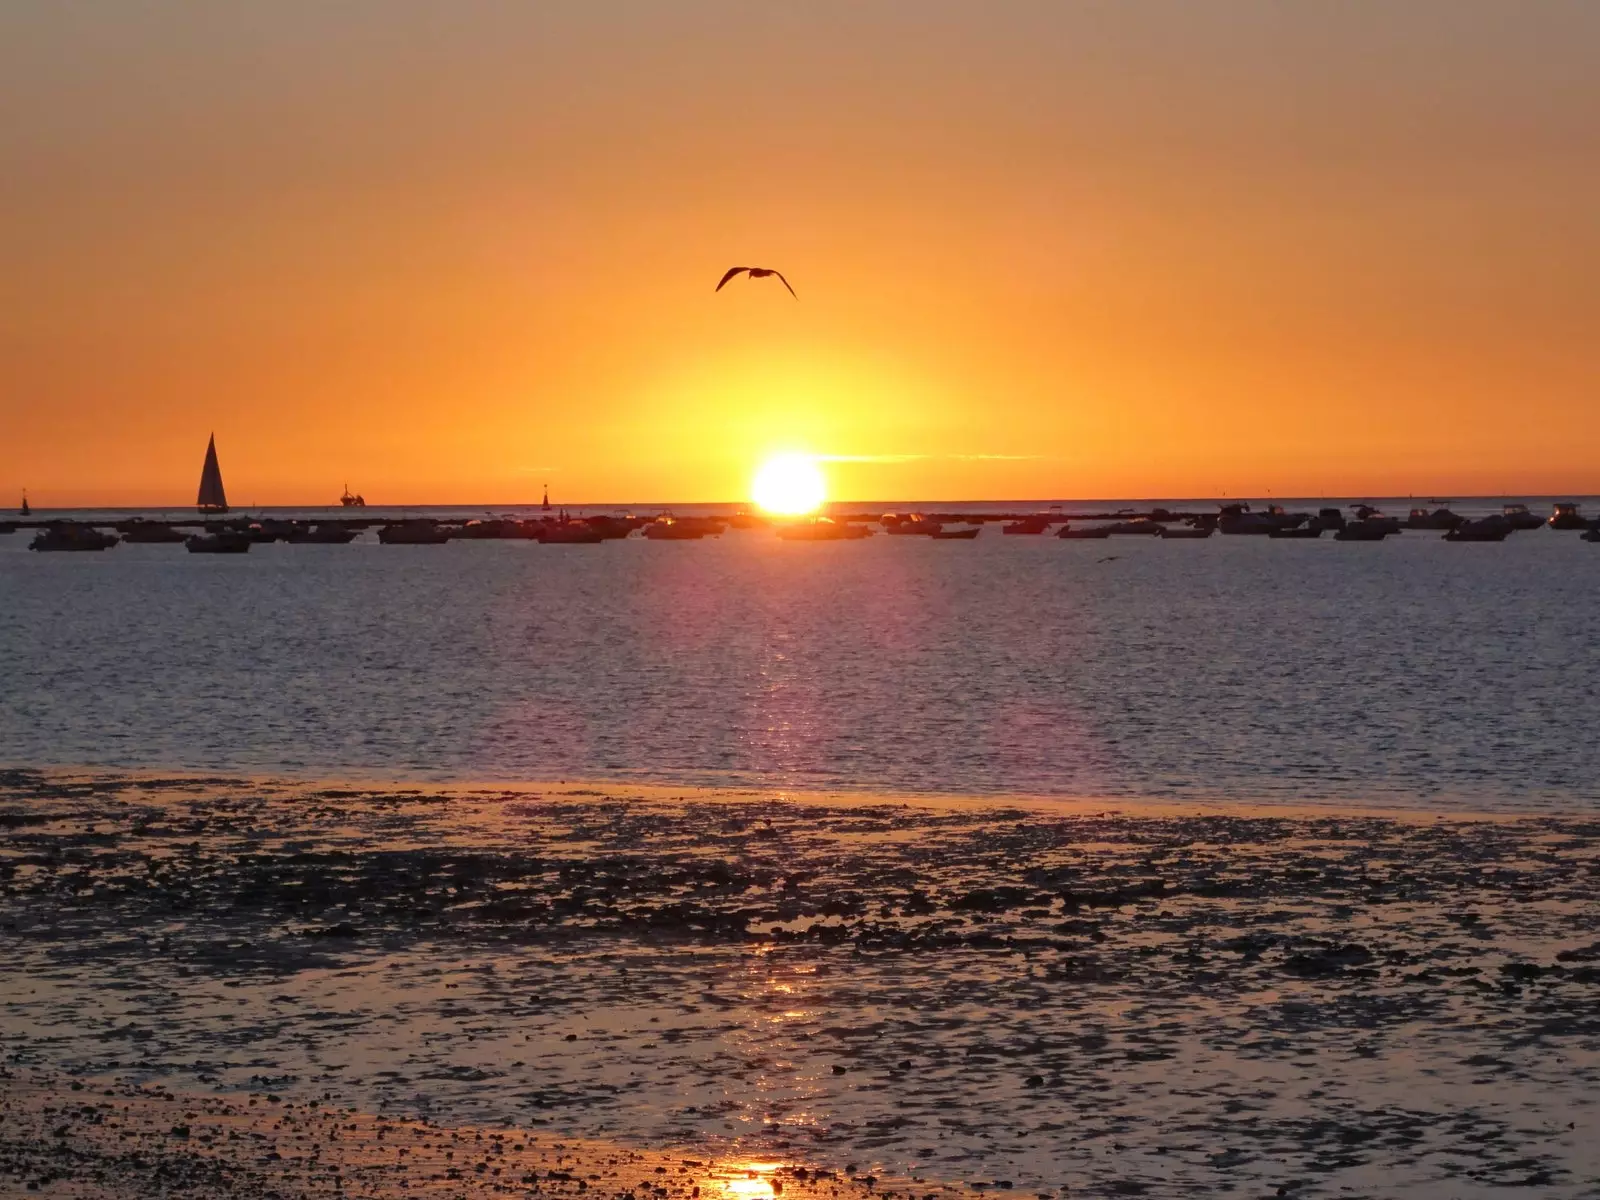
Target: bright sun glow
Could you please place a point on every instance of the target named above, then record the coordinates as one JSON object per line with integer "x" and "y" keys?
{"x": 789, "y": 484}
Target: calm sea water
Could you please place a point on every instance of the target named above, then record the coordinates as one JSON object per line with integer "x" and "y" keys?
{"x": 1410, "y": 672}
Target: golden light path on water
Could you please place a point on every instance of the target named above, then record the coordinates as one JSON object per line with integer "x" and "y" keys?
{"x": 770, "y": 1097}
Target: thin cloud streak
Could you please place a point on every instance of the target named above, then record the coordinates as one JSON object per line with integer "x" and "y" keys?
{"x": 905, "y": 458}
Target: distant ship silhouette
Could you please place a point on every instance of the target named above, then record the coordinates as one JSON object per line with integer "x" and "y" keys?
{"x": 212, "y": 498}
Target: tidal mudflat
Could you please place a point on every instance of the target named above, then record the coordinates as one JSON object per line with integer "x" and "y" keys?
{"x": 981, "y": 995}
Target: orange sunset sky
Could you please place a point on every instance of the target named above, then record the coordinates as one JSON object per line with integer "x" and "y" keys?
{"x": 451, "y": 251}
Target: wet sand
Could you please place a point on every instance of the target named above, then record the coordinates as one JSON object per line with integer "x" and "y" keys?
{"x": 61, "y": 1138}
{"x": 1038, "y": 997}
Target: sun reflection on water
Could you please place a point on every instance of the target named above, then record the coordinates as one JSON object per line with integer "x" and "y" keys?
{"x": 750, "y": 1180}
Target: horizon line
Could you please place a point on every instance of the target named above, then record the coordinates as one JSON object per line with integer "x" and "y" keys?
{"x": 878, "y": 502}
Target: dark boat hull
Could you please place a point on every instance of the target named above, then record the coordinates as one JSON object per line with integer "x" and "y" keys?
{"x": 572, "y": 537}
{"x": 1354, "y": 533}
{"x": 403, "y": 535}
{"x": 157, "y": 536}
{"x": 52, "y": 546}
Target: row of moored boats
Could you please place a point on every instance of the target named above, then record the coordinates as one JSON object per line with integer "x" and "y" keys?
{"x": 1363, "y": 524}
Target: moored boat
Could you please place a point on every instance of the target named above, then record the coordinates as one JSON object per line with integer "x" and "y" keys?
{"x": 1308, "y": 531}
{"x": 1520, "y": 518}
{"x": 1238, "y": 519}
{"x": 223, "y": 541}
{"x": 1138, "y": 527}
{"x": 1439, "y": 518}
{"x": 571, "y": 533}
{"x": 908, "y": 524}
{"x": 822, "y": 529}
{"x": 614, "y": 528}
{"x": 138, "y": 532}
{"x": 67, "y": 536}
{"x": 502, "y": 529}
{"x": 1372, "y": 519}
{"x": 1187, "y": 533}
{"x": 956, "y": 535}
{"x": 1328, "y": 518}
{"x": 1033, "y": 525}
{"x": 266, "y": 530}
{"x": 1083, "y": 532}
{"x": 1489, "y": 529}
{"x": 667, "y": 528}
{"x": 1566, "y": 516}
{"x": 1366, "y": 530}
{"x": 321, "y": 535}
{"x": 417, "y": 532}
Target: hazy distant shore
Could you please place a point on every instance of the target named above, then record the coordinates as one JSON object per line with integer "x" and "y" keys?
{"x": 959, "y": 994}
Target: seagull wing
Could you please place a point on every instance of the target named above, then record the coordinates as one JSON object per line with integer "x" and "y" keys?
{"x": 779, "y": 274}
{"x": 732, "y": 271}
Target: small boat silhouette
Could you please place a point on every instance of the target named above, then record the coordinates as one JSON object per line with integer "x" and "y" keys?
{"x": 320, "y": 535}
{"x": 1520, "y": 517}
{"x": 1567, "y": 516}
{"x": 822, "y": 529}
{"x": 223, "y": 541}
{"x": 571, "y": 533}
{"x": 413, "y": 533}
{"x": 139, "y": 532}
{"x": 1490, "y": 529}
{"x": 68, "y": 536}
{"x": 1084, "y": 533}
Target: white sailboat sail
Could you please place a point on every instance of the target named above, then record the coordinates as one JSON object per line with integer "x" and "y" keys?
{"x": 212, "y": 498}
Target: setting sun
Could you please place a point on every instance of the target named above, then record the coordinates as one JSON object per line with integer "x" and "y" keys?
{"x": 789, "y": 484}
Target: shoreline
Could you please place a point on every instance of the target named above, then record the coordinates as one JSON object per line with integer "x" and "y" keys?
{"x": 118, "y": 1139}
{"x": 656, "y": 792}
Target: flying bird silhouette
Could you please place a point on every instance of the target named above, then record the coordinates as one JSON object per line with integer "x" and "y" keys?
{"x": 755, "y": 273}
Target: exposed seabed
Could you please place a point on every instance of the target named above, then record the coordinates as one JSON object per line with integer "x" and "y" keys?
{"x": 1040, "y": 997}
